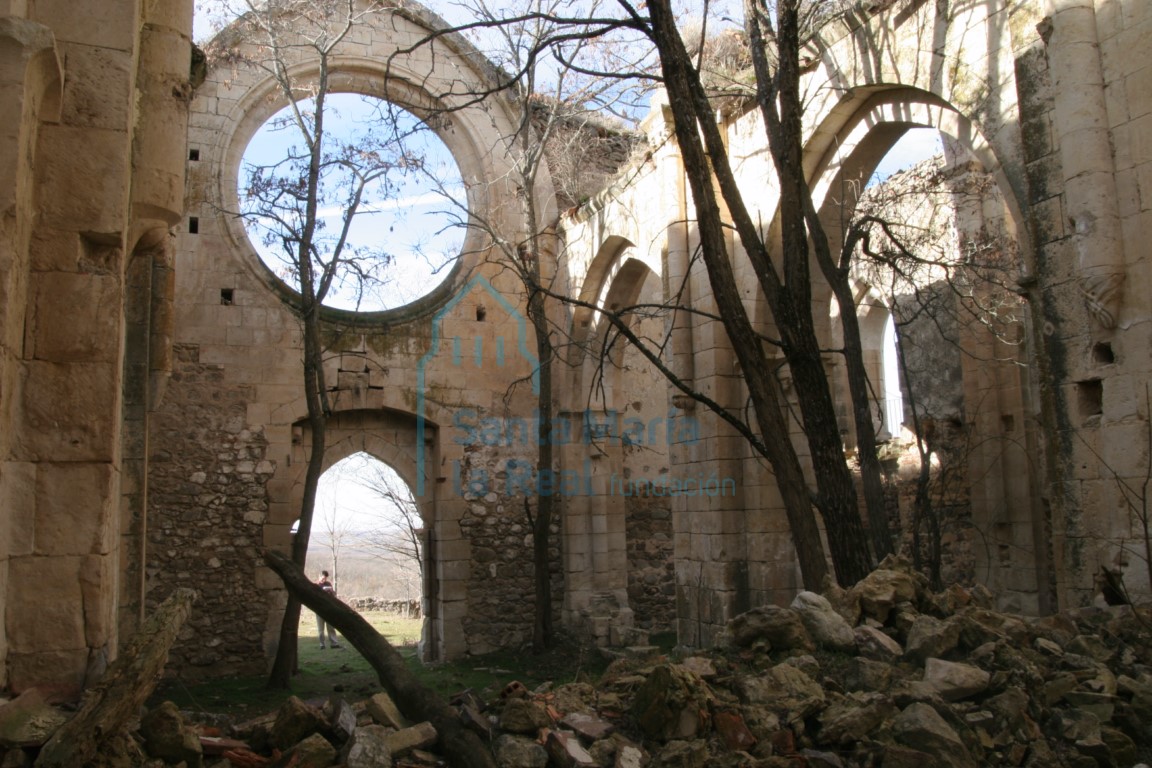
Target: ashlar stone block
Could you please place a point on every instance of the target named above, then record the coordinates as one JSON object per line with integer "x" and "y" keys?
{"x": 88, "y": 330}
{"x": 45, "y": 611}
{"x": 105, "y": 22}
{"x": 18, "y": 507}
{"x": 98, "y": 87}
{"x": 67, "y": 412}
{"x": 74, "y": 508}
{"x": 97, "y": 585}
{"x": 81, "y": 194}
{"x": 58, "y": 672}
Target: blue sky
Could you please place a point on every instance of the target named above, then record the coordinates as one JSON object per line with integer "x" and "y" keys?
{"x": 415, "y": 222}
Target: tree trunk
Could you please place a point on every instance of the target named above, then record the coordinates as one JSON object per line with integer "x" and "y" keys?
{"x": 311, "y": 297}
{"x": 416, "y": 702}
{"x": 112, "y": 703}
{"x": 778, "y": 94}
{"x": 284, "y": 665}
{"x": 545, "y": 499}
{"x": 693, "y": 116}
{"x": 874, "y": 496}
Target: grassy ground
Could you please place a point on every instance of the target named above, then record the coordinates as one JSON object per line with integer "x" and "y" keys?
{"x": 344, "y": 671}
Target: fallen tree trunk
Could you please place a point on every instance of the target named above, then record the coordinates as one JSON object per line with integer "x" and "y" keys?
{"x": 109, "y": 705}
{"x": 462, "y": 747}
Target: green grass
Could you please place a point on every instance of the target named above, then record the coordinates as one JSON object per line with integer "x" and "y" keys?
{"x": 343, "y": 671}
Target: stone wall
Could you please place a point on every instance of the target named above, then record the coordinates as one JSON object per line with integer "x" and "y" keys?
{"x": 209, "y": 501}
{"x": 651, "y": 573}
{"x": 501, "y": 574}
{"x": 95, "y": 107}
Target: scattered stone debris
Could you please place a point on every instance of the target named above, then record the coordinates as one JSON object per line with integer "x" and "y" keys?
{"x": 928, "y": 680}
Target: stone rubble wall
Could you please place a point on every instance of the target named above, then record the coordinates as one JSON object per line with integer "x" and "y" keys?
{"x": 502, "y": 582}
{"x": 651, "y": 578}
{"x": 209, "y": 501}
{"x": 409, "y": 609}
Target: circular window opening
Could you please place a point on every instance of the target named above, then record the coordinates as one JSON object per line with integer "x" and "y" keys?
{"x": 388, "y": 201}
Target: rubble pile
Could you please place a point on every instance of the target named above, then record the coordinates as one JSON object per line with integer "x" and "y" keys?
{"x": 883, "y": 675}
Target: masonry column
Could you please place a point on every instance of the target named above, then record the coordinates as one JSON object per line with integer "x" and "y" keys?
{"x": 29, "y": 92}
{"x": 62, "y": 573}
{"x": 1081, "y": 126}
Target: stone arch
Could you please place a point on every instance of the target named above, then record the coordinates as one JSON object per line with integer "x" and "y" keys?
{"x": 850, "y": 148}
{"x": 604, "y": 546}
{"x": 242, "y": 332}
{"x": 389, "y": 436}
{"x": 854, "y": 143}
{"x": 612, "y": 253}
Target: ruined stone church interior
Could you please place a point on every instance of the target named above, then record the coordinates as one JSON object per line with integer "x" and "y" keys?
{"x": 154, "y": 429}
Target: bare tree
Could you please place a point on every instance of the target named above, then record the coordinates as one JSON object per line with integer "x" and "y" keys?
{"x": 397, "y": 537}
{"x": 539, "y": 47}
{"x": 784, "y": 278}
{"x": 294, "y": 43}
{"x": 335, "y": 535}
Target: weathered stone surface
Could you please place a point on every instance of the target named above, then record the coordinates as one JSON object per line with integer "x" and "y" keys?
{"x": 1010, "y": 708}
{"x": 700, "y": 665}
{"x": 341, "y": 718}
{"x": 1121, "y": 747}
{"x": 524, "y": 716}
{"x": 565, "y": 751}
{"x": 805, "y": 662}
{"x": 1090, "y": 646}
{"x": 413, "y": 737}
{"x": 1102, "y": 705}
{"x": 385, "y": 712}
{"x": 628, "y": 756}
{"x": 931, "y": 637}
{"x": 863, "y": 674}
{"x": 588, "y": 726}
{"x": 874, "y": 644}
{"x": 825, "y": 626}
{"x": 780, "y": 627}
{"x": 671, "y": 704}
{"x": 294, "y": 722}
{"x": 783, "y": 689}
{"x": 313, "y": 752}
{"x": 880, "y": 590}
{"x": 367, "y": 748}
{"x": 954, "y": 681}
{"x": 730, "y": 725}
{"x": 168, "y": 738}
{"x": 919, "y": 726}
{"x": 28, "y": 720}
{"x": 817, "y": 759}
{"x": 476, "y": 721}
{"x": 979, "y": 626}
{"x": 1073, "y": 725}
{"x": 682, "y": 754}
{"x": 897, "y": 756}
{"x": 518, "y": 752}
{"x": 853, "y": 718}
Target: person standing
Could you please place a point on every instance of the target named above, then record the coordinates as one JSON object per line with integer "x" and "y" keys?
{"x": 326, "y": 584}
